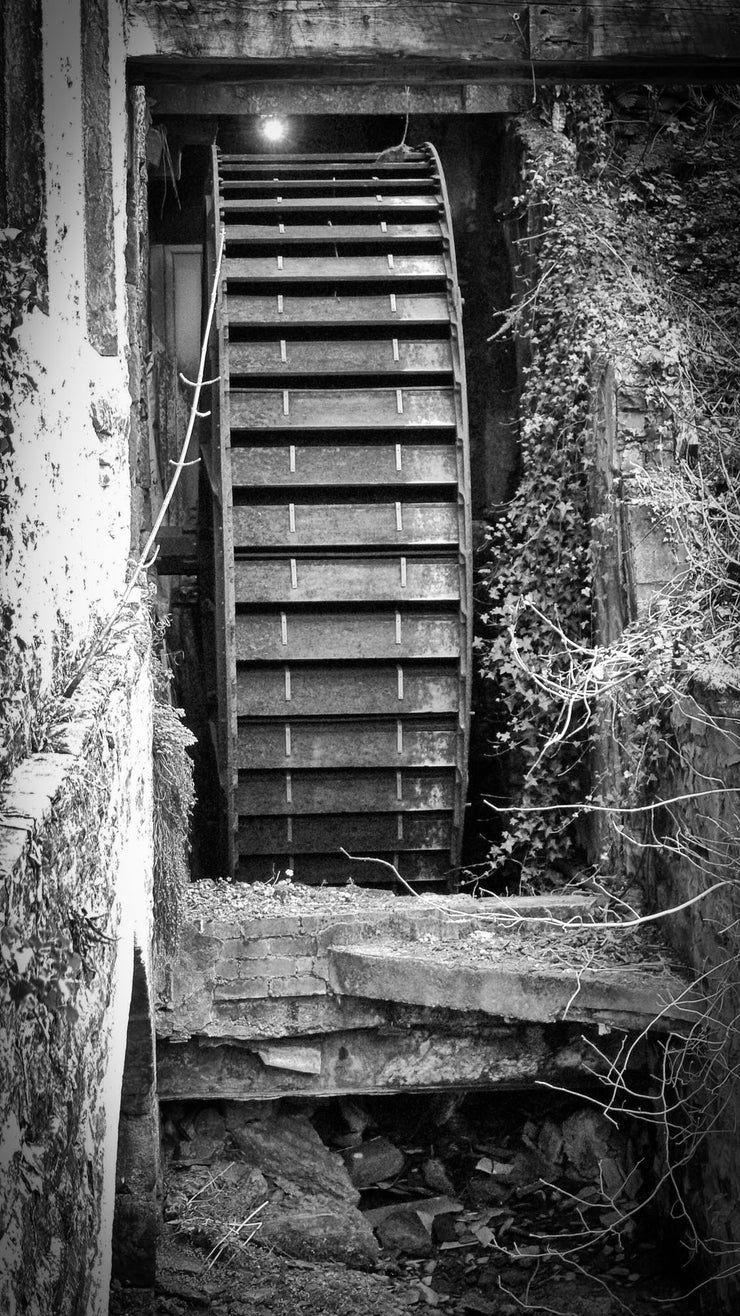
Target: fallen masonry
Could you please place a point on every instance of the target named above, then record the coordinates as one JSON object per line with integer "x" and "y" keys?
{"x": 279, "y": 990}
{"x": 448, "y": 1200}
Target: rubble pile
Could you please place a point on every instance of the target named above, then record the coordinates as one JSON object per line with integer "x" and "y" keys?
{"x": 475, "y": 1204}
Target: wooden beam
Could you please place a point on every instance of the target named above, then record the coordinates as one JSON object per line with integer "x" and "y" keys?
{"x": 224, "y": 98}
{"x": 457, "y": 38}
{"x": 330, "y": 30}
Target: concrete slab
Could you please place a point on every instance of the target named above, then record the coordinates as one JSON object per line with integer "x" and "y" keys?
{"x": 526, "y": 989}
{"x": 405, "y": 1056}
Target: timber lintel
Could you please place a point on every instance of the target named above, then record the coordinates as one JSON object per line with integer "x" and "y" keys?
{"x": 402, "y": 41}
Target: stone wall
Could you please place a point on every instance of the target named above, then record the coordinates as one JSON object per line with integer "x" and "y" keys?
{"x": 701, "y": 835}
{"x": 279, "y": 990}
{"x": 251, "y": 966}
{"x": 75, "y": 892}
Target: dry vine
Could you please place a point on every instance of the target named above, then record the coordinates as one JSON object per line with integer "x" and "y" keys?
{"x": 598, "y": 726}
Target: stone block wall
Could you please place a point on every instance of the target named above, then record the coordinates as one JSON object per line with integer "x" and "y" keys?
{"x": 245, "y": 970}
{"x": 251, "y": 1008}
{"x": 702, "y": 850}
{"x": 75, "y": 898}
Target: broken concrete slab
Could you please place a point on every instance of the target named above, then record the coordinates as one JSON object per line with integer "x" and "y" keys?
{"x": 245, "y": 956}
{"x": 291, "y": 1056}
{"x": 406, "y": 1053}
{"x": 513, "y": 990}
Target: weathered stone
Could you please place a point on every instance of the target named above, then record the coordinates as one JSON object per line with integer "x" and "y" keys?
{"x": 311, "y": 1209}
{"x": 283, "y": 1017}
{"x": 435, "y": 1175}
{"x": 288, "y": 1151}
{"x": 291, "y": 1056}
{"x": 588, "y": 1138}
{"x": 319, "y": 1233}
{"x": 443, "y": 1229}
{"x": 404, "y": 1231}
{"x": 207, "y": 1138}
{"x": 239, "y": 1113}
{"x": 303, "y": 984}
{"x": 532, "y": 991}
{"x": 354, "y": 1115}
{"x": 373, "y": 1161}
{"x": 368, "y": 1060}
{"x": 550, "y": 1144}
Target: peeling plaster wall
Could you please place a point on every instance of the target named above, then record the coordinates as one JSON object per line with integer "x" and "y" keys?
{"x": 69, "y": 473}
{"x": 76, "y": 825}
{"x": 75, "y": 870}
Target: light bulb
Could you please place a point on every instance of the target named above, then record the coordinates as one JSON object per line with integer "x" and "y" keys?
{"x": 273, "y": 129}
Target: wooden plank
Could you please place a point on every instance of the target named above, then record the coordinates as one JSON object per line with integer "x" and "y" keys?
{"x": 304, "y": 158}
{"x": 342, "y": 408}
{"x": 347, "y": 580}
{"x": 290, "y": 269}
{"x": 308, "y": 525}
{"x": 245, "y": 166}
{"x": 335, "y": 869}
{"x": 352, "y": 464}
{"x": 381, "y": 791}
{"x": 323, "y": 312}
{"x": 389, "y": 689}
{"x": 687, "y": 33}
{"x": 352, "y": 356}
{"x": 360, "y": 832}
{"x": 352, "y": 744}
{"x": 328, "y": 187}
{"x": 394, "y": 235}
{"x": 344, "y": 205}
{"x": 271, "y": 636}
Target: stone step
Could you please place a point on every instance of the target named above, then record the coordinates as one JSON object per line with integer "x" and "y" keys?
{"x": 514, "y": 985}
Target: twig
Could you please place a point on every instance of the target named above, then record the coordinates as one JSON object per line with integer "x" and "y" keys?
{"x": 371, "y": 859}
{"x": 589, "y": 806}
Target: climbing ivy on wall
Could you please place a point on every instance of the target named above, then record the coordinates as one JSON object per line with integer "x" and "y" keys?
{"x": 614, "y": 190}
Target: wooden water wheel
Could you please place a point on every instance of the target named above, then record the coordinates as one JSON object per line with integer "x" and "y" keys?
{"x": 338, "y": 517}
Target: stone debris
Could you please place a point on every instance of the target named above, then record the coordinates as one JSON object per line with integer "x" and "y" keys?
{"x": 372, "y": 1162}
{"x": 309, "y": 1205}
{"x": 520, "y": 1185}
{"x": 404, "y": 1231}
{"x": 435, "y": 1175}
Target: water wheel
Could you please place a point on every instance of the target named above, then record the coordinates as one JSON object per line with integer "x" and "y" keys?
{"x": 338, "y": 517}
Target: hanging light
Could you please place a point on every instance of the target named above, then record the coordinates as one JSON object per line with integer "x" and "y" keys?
{"x": 272, "y": 128}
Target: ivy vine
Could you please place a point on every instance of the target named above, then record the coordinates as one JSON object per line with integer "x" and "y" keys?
{"x": 614, "y": 190}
